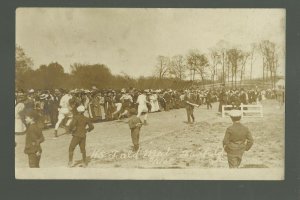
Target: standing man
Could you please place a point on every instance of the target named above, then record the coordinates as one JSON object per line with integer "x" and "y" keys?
{"x": 237, "y": 140}
{"x": 109, "y": 106}
{"x": 208, "y": 99}
{"x": 53, "y": 107}
{"x": 222, "y": 99}
{"x": 189, "y": 100}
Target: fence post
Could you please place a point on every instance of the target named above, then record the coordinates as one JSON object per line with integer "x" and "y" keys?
{"x": 242, "y": 110}
{"x": 222, "y": 110}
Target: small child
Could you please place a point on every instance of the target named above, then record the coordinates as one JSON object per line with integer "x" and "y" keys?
{"x": 78, "y": 129}
{"x": 34, "y": 137}
{"x": 135, "y": 125}
{"x": 237, "y": 140}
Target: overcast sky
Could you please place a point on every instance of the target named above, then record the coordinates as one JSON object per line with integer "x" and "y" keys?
{"x": 130, "y": 40}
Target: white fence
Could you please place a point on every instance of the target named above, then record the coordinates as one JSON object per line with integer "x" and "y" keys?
{"x": 247, "y": 110}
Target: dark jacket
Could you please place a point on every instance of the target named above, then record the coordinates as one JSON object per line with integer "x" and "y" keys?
{"x": 189, "y": 98}
{"x": 237, "y": 139}
{"x": 34, "y": 137}
{"x": 78, "y": 125}
{"x": 133, "y": 121}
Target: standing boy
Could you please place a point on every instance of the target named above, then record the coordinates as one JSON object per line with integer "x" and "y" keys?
{"x": 78, "y": 128}
{"x": 135, "y": 124}
{"x": 237, "y": 140}
{"x": 34, "y": 137}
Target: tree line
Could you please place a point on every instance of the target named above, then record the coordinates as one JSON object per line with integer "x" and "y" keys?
{"x": 222, "y": 64}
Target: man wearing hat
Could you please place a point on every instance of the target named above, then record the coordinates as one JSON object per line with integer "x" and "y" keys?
{"x": 189, "y": 99}
{"x": 167, "y": 98}
{"x": 237, "y": 140}
{"x": 78, "y": 128}
{"x": 135, "y": 125}
{"x": 34, "y": 137}
{"x": 109, "y": 106}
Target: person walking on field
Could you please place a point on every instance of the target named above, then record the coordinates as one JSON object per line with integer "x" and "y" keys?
{"x": 135, "y": 125}
{"x": 64, "y": 111}
{"x": 237, "y": 140}
{"x": 189, "y": 100}
{"x": 78, "y": 128}
{"x": 34, "y": 137}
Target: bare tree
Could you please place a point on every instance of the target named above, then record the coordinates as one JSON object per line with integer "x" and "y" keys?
{"x": 234, "y": 57}
{"x": 197, "y": 63}
{"x": 178, "y": 67}
{"x": 201, "y": 66}
{"x": 215, "y": 58}
{"x": 270, "y": 56}
{"x": 162, "y": 67}
{"x": 252, "y": 58}
{"x": 222, "y": 47}
{"x": 191, "y": 63}
{"x": 243, "y": 59}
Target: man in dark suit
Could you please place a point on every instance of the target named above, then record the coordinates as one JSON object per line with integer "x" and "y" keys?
{"x": 190, "y": 100}
{"x": 34, "y": 137}
{"x": 78, "y": 128}
{"x": 237, "y": 140}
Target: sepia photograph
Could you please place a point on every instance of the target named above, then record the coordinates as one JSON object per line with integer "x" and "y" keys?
{"x": 150, "y": 93}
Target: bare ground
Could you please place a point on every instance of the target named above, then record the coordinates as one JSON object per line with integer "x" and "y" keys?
{"x": 169, "y": 142}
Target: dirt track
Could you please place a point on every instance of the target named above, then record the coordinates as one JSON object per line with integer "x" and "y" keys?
{"x": 168, "y": 142}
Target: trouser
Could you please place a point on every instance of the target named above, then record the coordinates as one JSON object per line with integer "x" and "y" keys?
{"x": 208, "y": 104}
{"x": 109, "y": 112}
{"x": 53, "y": 117}
{"x": 234, "y": 160}
{"x": 135, "y": 137}
{"x": 81, "y": 141}
{"x": 61, "y": 117}
{"x": 34, "y": 160}
{"x": 143, "y": 110}
{"x": 220, "y": 106}
{"x": 167, "y": 106}
{"x": 118, "y": 108}
{"x": 190, "y": 114}
{"x": 143, "y": 115}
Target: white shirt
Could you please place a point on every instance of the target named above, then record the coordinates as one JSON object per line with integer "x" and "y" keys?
{"x": 142, "y": 100}
{"x": 64, "y": 101}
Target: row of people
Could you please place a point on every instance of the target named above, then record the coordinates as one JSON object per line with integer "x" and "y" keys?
{"x": 105, "y": 105}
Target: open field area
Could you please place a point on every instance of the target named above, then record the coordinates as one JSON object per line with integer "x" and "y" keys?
{"x": 168, "y": 142}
